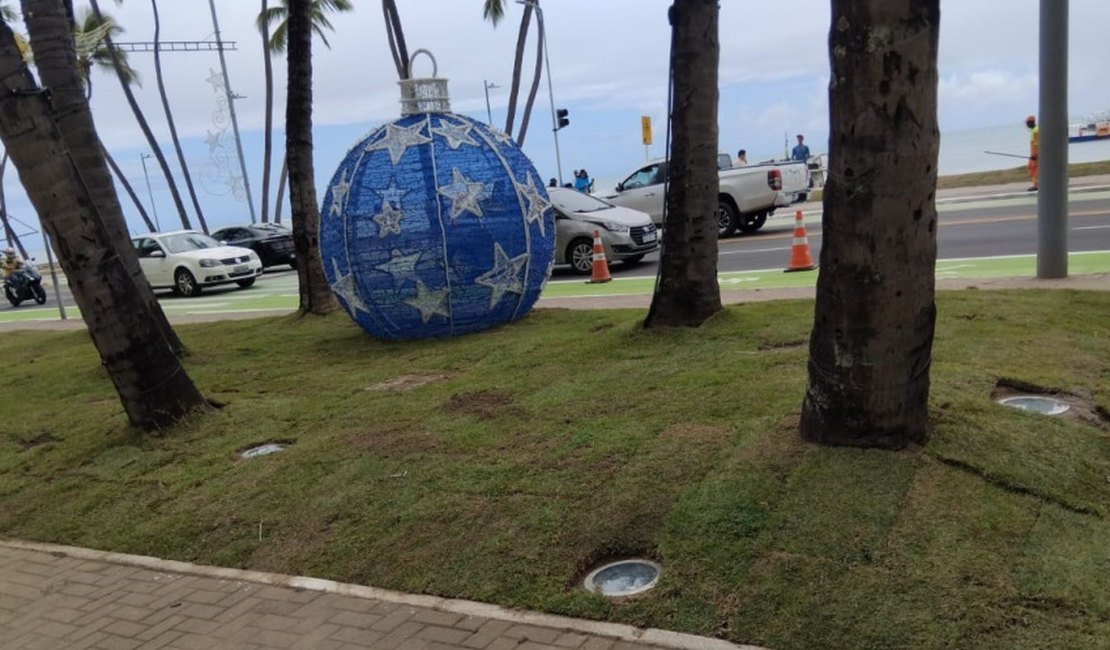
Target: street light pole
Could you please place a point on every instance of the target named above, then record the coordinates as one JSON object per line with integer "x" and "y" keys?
{"x": 550, "y": 93}
{"x": 489, "y": 113}
{"x": 1052, "y": 198}
{"x": 153, "y": 207}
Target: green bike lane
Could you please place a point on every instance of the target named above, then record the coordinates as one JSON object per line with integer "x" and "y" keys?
{"x": 279, "y": 293}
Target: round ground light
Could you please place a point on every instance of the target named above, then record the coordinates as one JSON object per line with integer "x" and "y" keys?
{"x": 1036, "y": 404}
{"x": 263, "y": 450}
{"x": 623, "y": 578}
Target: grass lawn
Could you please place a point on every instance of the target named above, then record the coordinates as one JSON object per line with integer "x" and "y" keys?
{"x": 538, "y": 449}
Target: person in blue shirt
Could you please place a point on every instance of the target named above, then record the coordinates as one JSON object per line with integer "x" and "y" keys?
{"x": 582, "y": 181}
{"x": 800, "y": 152}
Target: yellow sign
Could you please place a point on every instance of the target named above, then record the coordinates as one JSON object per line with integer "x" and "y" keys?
{"x": 645, "y": 126}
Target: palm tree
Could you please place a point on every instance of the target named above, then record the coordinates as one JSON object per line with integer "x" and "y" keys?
{"x": 871, "y": 347}
{"x": 169, "y": 120}
{"x": 154, "y": 389}
{"x": 316, "y": 296}
{"x": 152, "y": 142}
{"x": 277, "y": 18}
{"x": 687, "y": 292}
{"x": 493, "y": 11}
{"x": 88, "y": 34}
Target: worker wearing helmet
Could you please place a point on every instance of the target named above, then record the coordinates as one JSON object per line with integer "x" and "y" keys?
{"x": 1034, "y": 149}
{"x": 10, "y": 263}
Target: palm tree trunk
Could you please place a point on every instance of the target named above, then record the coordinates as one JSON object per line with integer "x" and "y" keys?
{"x": 268, "y": 130}
{"x": 396, "y": 36}
{"x": 130, "y": 190}
{"x": 144, "y": 126}
{"x": 170, "y": 123}
{"x": 871, "y": 347}
{"x": 56, "y": 61}
{"x": 537, "y": 73}
{"x": 687, "y": 292}
{"x": 281, "y": 188}
{"x": 315, "y": 294}
{"x": 518, "y": 62}
{"x": 153, "y": 387}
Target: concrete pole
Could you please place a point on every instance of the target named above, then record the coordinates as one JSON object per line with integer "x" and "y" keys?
{"x": 231, "y": 110}
{"x": 1052, "y": 199}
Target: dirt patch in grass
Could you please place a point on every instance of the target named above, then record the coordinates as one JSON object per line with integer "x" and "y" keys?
{"x": 395, "y": 442}
{"x": 41, "y": 439}
{"x": 483, "y": 404}
{"x": 407, "y": 382}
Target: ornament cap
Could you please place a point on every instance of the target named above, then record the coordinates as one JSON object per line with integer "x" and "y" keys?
{"x": 426, "y": 94}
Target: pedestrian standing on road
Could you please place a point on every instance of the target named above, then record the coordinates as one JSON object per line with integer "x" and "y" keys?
{"x": 1034, "y": 149}
{"x": 801, "y": 151}
{"x": 742, "y": 158}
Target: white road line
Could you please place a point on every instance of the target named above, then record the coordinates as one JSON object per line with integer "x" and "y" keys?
{"x": 1090, "y": 227}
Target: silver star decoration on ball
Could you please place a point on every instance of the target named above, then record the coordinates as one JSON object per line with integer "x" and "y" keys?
{"x": 465, "y": 195}
{"x": 392, "y": 194}
{"x": 506, "y": 276}
{"x": 429, "y": 303}
{"x": 537, "y": 205}
{"x": 345, "y": 287}
{"x": 501, "y": 136}
{"x": 400, "y": 266}
{"x": 455, "y": 134}
{"x": 388, "y": 220}
{"x": 339, "y": 192}
{"x": 398, "y": 139}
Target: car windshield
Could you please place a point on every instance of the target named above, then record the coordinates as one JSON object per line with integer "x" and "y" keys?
{"x": 188, "y": 241}
{"x": 574, "y": 201}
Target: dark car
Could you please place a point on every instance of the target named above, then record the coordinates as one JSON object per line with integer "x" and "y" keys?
{"x": 272, "y": 242}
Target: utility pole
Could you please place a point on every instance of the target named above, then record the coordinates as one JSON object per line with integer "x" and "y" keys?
{"x": 489, "y": 113}
{"x": 231, "y": 109}
{"x": 154, "y": 208}
{"x": 1052, "y": 197}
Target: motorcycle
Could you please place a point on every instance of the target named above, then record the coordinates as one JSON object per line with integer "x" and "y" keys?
{"x": 24, "y": 284}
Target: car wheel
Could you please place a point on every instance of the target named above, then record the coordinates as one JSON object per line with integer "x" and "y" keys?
{"x": 750, "y": 223}
{"x": 249, "y": 282}
{"x": 12, "y": 298}
{"x": 580, "y": 255}
{"x": 727, "y": 221}
{"x": 40, "y": 293}
{"x": 184, "y": 283}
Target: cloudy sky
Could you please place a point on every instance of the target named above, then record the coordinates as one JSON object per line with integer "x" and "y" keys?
{"x": 608, "y": 66}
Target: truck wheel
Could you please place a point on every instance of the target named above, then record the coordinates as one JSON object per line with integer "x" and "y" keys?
{"x": 727, "y": 220}
{"x": 580, "y": 255}
{"x": 750, "y": 223}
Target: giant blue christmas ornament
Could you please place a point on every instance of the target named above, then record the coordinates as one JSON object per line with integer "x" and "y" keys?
{"x": 435, "y": 224}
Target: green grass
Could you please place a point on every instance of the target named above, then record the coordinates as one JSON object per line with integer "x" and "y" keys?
{"x": 575, "y": 436}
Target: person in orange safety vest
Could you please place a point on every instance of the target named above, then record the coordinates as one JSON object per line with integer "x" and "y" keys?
{"x": 1034, "y": 148}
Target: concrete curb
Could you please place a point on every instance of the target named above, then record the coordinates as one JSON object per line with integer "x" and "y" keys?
{"x": 653, "y": 636}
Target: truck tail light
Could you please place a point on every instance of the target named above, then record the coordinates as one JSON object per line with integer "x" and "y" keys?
{"x": 774, "y": 179}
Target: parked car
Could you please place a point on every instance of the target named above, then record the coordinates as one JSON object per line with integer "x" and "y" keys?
{"x": 747, "y": 196}
{"x": 627, "y": 235}
{"x": 272, "y": 242}
{"x": 186, "y": 261}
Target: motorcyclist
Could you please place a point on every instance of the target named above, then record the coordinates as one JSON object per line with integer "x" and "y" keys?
{"x": 10, "y": 263}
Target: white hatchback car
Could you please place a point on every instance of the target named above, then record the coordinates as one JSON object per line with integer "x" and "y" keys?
{"x": 187, "y": 261}
{"x": 627, "y": 235}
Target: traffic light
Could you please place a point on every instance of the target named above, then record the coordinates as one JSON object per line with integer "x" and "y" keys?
{"x": 563, "y": 119}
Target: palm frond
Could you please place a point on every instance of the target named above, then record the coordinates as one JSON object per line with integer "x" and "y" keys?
{"x": 493, "y": 11}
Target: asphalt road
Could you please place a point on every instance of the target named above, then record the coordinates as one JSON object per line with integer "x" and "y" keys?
{"x": 981, "y": 229}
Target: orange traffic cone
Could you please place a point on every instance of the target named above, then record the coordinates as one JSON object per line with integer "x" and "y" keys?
{"x": 601, "y": 267}
{"x": 800, "y": 259}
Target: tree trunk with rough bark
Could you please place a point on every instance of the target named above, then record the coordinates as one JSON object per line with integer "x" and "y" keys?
{"x": 51, "y": 32}
{"x": 871, "y": 347}
{"x": 316, "y": 296}
{"x": 283, "y": 179}
{"x": 152, "y": 385}
{"x": 170, "y": 123}
{"x": 687, "y": 292}
{"x": 268, "y": 129}
{"x": 518, "y": 64}
{"x": 526, "y": 116}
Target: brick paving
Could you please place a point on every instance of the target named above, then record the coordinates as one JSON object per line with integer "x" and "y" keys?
{"x": 51, "y": 600}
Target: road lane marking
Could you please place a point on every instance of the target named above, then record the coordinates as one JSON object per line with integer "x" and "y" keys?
{"x": 1090, "y": 227}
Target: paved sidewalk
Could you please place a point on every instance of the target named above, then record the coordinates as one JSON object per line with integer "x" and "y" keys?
{"x": 55, "y": 597}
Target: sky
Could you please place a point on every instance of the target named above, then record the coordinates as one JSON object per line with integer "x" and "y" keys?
{"x": 608, "y": 64}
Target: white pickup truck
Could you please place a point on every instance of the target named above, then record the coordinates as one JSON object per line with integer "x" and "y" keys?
{"x": 748, "y": 195}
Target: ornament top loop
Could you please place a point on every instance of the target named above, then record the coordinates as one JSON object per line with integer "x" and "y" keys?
{"x": 424, "y": 95}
